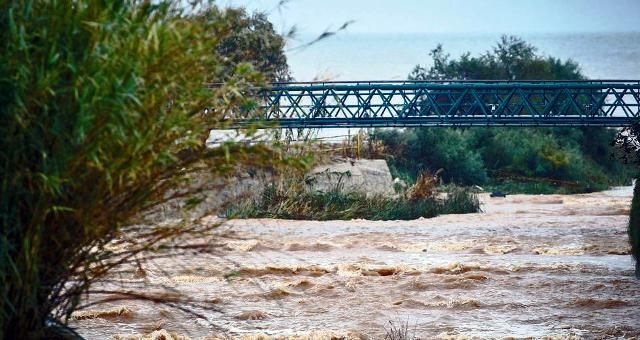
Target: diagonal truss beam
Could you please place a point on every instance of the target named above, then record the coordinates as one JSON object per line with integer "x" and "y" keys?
{"x": 450, "y": 103}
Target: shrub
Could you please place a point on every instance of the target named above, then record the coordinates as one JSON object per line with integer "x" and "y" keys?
{"x": 432, "y": 149}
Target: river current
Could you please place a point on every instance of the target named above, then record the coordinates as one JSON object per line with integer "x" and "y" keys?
{"x": 540, "y": 266}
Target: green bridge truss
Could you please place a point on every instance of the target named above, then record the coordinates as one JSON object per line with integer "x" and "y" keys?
{"x": 449, "y": 103}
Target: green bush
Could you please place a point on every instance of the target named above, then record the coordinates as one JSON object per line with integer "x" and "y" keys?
{"x": 417, "y": 150}
{"x": 570, "y": 158}
{"x": 566, "y": 155}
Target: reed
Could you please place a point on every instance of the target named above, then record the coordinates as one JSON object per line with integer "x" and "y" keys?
{"x": 289, "y": 198}
{"x": 102, "y": 120}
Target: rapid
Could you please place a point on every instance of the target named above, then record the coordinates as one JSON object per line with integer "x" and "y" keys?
{"x": 554, "y": 266}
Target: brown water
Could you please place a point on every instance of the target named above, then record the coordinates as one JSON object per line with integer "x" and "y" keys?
{"x": 528, "y": 266}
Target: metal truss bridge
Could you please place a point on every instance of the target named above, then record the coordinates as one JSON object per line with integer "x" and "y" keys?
{"x": 448, "y": 103}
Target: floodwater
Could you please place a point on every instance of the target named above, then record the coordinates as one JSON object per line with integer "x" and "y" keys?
{"x": 548, "y": 266}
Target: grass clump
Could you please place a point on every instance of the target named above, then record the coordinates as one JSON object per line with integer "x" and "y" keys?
{"x": 399, "y": 330}
{"x": 293, "y": 200}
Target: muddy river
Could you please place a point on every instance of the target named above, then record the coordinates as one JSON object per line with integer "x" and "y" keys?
{"x": 548, "y": 267}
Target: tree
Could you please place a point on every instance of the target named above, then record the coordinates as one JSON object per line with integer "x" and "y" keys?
{"x": 101, "y": 117}
{"x": 511, "y": 59}
{"x": 633, "y": 229}
{"x": 250, "y": 38}
{"x": 627, "y": 144}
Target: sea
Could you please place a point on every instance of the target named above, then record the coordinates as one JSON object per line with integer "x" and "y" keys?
{"x": 374, "y": 56}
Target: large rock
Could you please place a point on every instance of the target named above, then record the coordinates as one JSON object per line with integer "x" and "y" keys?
{"x": 371, "y": 177}
{"x": 213, "y": 195}
{"x": 368, "y": 176}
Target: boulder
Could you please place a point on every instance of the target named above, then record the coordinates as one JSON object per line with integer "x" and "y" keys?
{"x": 367, "y": 176}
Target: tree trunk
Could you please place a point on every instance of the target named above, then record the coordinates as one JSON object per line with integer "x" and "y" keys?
{"x": 634, "y": 226}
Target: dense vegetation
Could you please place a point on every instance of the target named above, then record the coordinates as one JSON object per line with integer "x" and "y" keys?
{"x": 517, "y": 159}
{"x": 101, "y": 118}
{"x": 570, "y": 160}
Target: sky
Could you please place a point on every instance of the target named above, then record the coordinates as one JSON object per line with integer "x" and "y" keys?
{"x": 450, "y": 16}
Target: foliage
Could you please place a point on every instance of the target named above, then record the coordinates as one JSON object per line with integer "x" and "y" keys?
{"x": 416, "y": 150}
{"x": 627, "y": 146}
{"x": 101, "y": 114}
{"x": 511, "y": 59}
{"x": 250, "y": 38}
{"x": 289, "y": 198}
{"x": 577, "y": 157}
{"x": 570, "y": 160}
{"x": 424, "y": 188}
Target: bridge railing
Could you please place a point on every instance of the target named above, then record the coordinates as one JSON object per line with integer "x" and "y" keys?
{"x": 451, "y": 103}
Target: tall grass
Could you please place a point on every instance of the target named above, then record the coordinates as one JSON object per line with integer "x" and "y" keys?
{"x": 101, "y": 115}
{"x": 291, "y": 199}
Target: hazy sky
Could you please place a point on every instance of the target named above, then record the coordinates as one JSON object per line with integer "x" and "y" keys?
{"x": 463, "y": 16}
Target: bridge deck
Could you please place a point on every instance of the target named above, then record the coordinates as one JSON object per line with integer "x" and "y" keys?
{"x": 450, "y": 103}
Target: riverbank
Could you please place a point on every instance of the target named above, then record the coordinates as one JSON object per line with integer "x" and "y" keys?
{"x": 528, "y": 266}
